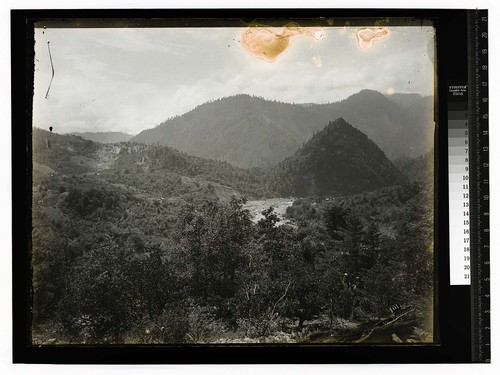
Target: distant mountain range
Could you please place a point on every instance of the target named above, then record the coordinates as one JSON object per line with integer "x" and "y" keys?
{"x": 339, "y": 159}
{"x": 158, "y": 170}
{"x": 105, "y": 137}
{"x": 249, "y": 131}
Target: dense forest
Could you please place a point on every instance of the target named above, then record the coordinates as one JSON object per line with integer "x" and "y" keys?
{"x": 136, "y": 243}
{"x": 248, "y": 131}
{"x": 339, "y": 159}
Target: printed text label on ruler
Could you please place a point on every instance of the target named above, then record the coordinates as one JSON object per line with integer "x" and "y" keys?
{"x": 458, "y": 188}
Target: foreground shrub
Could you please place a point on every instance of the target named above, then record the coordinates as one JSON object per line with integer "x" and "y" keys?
{"x": 203, "y": 325}
{"x": 170, "y": 327}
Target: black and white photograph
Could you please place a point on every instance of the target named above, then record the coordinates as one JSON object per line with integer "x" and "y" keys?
{"x": 238, "y": 183}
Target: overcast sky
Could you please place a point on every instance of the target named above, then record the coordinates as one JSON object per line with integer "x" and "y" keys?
{"x": 129, "y": 80}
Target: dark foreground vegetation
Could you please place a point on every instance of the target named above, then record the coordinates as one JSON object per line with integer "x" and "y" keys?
{"x": 114, "y": 261}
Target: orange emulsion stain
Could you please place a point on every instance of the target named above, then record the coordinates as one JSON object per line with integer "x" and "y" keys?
{"x": 367, "y": 37}
{"x": 268, "y": 43}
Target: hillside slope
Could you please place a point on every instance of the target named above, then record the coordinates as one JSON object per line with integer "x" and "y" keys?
{"x": 105, "y": 137}
{"x": 248, "y": 131}
{"x": 150, "y": 170}
{"x": 338, "y": 160}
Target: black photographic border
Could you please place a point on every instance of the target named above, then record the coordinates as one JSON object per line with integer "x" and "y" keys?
{"x": 452, "y": 303}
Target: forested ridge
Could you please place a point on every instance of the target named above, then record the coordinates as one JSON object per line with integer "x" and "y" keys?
{"x": 138, "y": 243}
{"x": 249, "y": 131}
{"x": 339, "y": 159}
{"x": 105, "y": 137}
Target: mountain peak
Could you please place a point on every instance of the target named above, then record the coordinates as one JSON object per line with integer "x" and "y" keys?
{"x": 338, "y": 123}
{"x": 250, "y": 131}
{"x": 340, "y": 159}
{"x": 367, "y": 94}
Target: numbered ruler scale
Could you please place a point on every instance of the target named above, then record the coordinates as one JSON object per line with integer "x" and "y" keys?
{"x": 468, "y": 165}
{"x": 459, "y": 184}
{"x": 479, "y": 185}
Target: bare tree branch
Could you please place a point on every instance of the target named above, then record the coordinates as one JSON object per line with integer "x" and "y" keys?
{"x": 281, "y": 298}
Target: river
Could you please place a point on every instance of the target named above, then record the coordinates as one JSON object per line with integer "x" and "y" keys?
{"x": 279, "y": 204}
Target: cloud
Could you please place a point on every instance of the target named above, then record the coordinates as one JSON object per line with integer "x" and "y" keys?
{"x": 132, "y": 79}
{"x": 93, "y": 100}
